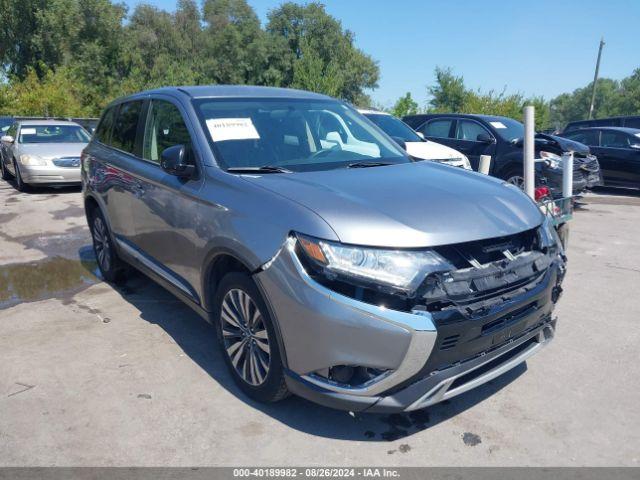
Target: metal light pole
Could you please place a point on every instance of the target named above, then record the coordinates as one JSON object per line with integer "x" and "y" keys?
{"x": 528, "y": 160}
{"x": 595, "y": 79}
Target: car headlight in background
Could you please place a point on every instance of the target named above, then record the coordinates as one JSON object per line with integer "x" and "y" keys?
{"x": 32, "y": 161}
{"x": 393, "y": 270}
{"x": 551, "y": 159}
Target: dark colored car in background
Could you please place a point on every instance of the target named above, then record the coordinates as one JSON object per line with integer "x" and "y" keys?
{"x": 5, "y": 123}
{"x": 628, "y": 122}
{"x": 618, "y": 152}
{"x": 502, "y": 139}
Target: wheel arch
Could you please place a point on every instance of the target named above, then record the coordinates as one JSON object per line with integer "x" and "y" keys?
{"x": 221, "y": 261}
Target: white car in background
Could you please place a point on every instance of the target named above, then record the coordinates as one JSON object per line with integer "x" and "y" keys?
{"x": 415, "y": 144}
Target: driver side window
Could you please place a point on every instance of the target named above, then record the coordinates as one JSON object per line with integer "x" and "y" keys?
{"x": 164, "y": 128}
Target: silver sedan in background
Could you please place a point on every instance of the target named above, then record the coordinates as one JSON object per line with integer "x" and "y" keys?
{"x": 43, "y": 152}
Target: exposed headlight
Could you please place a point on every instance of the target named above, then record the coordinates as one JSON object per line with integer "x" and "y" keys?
{"x": 551, "y": 159}
{"x": 549, "y": 237}
{"x": 393, "y": 270}
{"x": 32, "y": 161}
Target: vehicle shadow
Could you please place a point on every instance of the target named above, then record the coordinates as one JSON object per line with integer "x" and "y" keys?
{"x": 198, "y": 340}
{"x": 45, "y": 190}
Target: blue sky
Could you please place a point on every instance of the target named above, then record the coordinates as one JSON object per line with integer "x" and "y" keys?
{"x": 536, "y": 48}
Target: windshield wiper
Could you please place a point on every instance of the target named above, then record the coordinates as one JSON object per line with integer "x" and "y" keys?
{"x": 262, "y": 169}
{"x": 366, "y": 164}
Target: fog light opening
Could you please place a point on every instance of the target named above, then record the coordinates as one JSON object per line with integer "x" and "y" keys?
{"x": 352, "y": 376}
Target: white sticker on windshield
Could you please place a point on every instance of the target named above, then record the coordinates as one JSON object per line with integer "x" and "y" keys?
{"x": 28, "y": 131}
{"x": 498, "y": 125}
{"x": 222, "y": 129}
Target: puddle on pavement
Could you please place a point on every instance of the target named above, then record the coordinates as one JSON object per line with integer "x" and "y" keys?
{"x": 47, "y": 278}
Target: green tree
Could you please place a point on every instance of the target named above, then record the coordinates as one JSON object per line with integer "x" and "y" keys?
{"x": 309, "y": 31}
{"x": 449, "y": 94}
{"x": 405, "y": 105}
{"x": 54, "y": 94}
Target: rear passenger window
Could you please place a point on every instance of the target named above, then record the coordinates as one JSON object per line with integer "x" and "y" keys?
{"x": 468, "y": 130}
{"x": 588, "y": 137}
{"x": 437, "y": 128}
{"x": 123, "y": 136}
{"x": 104, "y": 128}
{"x": 614, "y": 140}
{"x": 165, "y": 128}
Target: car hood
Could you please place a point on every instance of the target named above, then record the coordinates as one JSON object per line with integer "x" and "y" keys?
{"x": 563, "y": 144}
{"x": 431, "y": 151}
{"x": 417, "y": 204}
{"x": 52, "y": 150}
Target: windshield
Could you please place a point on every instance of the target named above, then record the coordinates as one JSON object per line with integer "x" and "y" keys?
{"x": 299, "y": 135}
{"x": 53, "y": 134}
{"x": 507, "y": 128}
{"x": 394, "y": 127}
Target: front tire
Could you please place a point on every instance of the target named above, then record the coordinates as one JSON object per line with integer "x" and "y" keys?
{"x": 248, "y": 339}
{"x": 110, "y": 265}
{"x": 20, "y": 185}
{"x": 3, "y": 170}
{"x": 515, "y": 177}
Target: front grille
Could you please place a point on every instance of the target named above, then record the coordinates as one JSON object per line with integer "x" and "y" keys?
{"x": 67, "y": 162}
{"x": 449, "y": 342}
{"x": 586, "y": 164}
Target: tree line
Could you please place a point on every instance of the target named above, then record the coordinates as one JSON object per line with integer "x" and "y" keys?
{"x": 71, "y": 57}
{"x": 450, "y": 94}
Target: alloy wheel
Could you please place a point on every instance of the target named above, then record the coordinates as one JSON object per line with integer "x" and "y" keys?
{"x": 516, "y": 180}
{"x": 245, "y": 337}
{"x": 101, "y": 243}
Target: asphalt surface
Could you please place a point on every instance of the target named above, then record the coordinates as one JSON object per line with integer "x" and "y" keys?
{"x": 96, "y": 375}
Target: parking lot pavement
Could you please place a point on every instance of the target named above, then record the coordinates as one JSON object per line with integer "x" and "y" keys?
{"x": 94, "y": 375}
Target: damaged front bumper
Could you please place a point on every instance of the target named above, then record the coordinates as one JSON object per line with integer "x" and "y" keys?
{"x": 420, "y": 357}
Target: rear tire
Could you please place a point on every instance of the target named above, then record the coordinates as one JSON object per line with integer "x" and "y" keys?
{"x": 111, "y": 267}
{"x": 248, "y": 339}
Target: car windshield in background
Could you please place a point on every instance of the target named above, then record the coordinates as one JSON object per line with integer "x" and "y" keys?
{"x": 5, "y": 123}
{"x": 508, "y": 129}
{"x": 296, "y": 135}
{"x": 394, "y": 127}
{"x": 53, "y": 134}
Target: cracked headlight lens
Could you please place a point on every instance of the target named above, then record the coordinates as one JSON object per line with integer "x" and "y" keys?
{"x": 399, "y": 270}
{"x": 551, "y": 159}
{"x": 32, "y": 161}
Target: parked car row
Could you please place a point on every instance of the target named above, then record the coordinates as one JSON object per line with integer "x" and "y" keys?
{"x": 502, "y": 139}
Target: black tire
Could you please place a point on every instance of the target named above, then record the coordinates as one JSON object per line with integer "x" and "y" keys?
{"x": 238, "y": 348}
{"x": 20, "y": 185}
{"x": 3, "y": 170}
{"x": 111, "y": 267}
{"x": 514, "y": 175}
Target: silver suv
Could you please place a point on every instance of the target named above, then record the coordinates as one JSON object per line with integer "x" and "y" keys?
{"x": 330, "y": 263}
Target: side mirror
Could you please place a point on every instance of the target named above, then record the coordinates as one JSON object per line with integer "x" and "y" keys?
{"x": 7, "y": 139}
{"x": 176, "y": 161}
{"x": 420, "y": 134}
{"x": 400, "y": 142}
{"x": 484, "y": 138}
